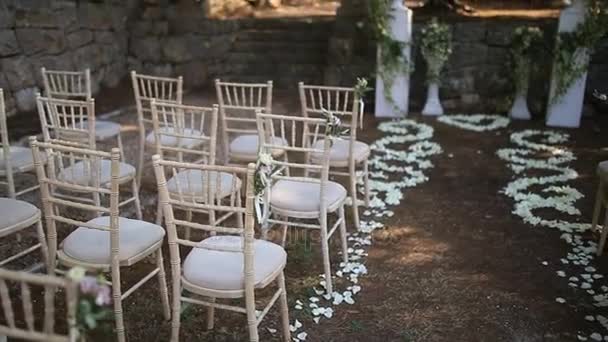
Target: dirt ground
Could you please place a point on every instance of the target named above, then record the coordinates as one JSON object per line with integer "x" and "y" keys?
{"x": 452, "y": 265}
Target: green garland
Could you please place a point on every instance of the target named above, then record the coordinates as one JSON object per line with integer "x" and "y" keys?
{"x": 436, "y": 48}
{"x": 572, "y": 49}
{"x": 392, "y": 60}
{"x": 524, "y": 48}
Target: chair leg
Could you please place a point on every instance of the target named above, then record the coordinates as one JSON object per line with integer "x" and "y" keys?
{"x": 325, "y": 251}
{"x": 162, "y": 283}
{"x": 284, "y": 228}
{"x": 188, "y": 232}
{"x": 366, "y": 182}
{"x": 141, "y": 151}
{"x": 11, "y": 185}
{"x": 343, "y": 234}
{"x": 159, "y": 213}
{"x": 177, "y": 302}
{"x": 284, "y": 308}
{"x": 44, "y": 248}
{"x": 239, "y": 218}
{"x": 600, "y": 248}
{"x": 137, "y": 201}
{"x": 120, "y": 147}
{"x": 353, "y": 197}
{"x": 116, "y": 294}
{"x": 598, "y": 206}
{"x": 252, "y": 319}
{"x": 211, "y": 315}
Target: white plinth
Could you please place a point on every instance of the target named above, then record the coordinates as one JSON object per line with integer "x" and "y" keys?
{"x": 520, "y": 110}
{"x": 432, "y": 106}
{"x": 401, "y": 30}
{"x": 567, "y": 110}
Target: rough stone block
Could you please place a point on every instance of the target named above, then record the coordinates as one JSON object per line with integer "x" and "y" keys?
{"x": 18, "y": 72}
{"x": 8, "y": 43}
{"x": 147, "y": 49}
{"x": 57, "y": 62}
{"x": 104, "y": 37}
{"x": 473, "y": 31}
{"x": 7, "y": 16}
{"x": 25, "y": 99}
{"x": 33, "y": 41}
{"x": 87, "y": 56}
{"x": 94, "y": 16}
{"x": 195, "y": 73}
{"x": 39, "y": 17}
{"x": 178, "y": 49}
{"x": 79, "y": 38}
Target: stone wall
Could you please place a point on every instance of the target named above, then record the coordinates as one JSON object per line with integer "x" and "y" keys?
{"x": 179, "y": 39}
{"x": 477, "y": 76}
{"x": 60, "y": 34}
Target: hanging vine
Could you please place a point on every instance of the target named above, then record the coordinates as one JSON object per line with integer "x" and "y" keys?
{"x": 572, "y": 49}
{"x": 392, "y": 62}
{"x": 436, "y": 48}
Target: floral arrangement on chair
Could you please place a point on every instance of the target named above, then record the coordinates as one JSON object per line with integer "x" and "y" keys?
{"x": 264, "y": 171}
{"x": 333, "y": 126}
{"x": 94, "y": 301}
{"x": 360, "y": 90}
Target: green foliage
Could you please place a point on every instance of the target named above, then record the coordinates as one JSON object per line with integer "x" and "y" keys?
{"x": 436, "y": 47}
{"x": 525, "y": 47}
{"x": 392, "y": 61}
{"x": 361, "y": 88}
{"x": 572, "y": 49}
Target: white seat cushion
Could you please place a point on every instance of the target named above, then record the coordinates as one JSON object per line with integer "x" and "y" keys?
{"x": 171, "y": 141}
{"x": 93, "y": 245}
{"x": 80, "y": 174}
{"x": 223, "y": 270}
{"x": 338, "y": 153}
{"x": 602, "y": 168}
{"x": 193, "y": 183}
{"x": 304, "y": 196}
{"x": 246, "y": 147}
{"x": 13, "y": 212}
{"x": 21, "y": 159}
{"x": 106, "y": 129}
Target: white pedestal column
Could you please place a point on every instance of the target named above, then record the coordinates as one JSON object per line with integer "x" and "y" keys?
{"x": 401, "y": 30}
{"x": 520, "y": 110}
{"x": 566, "y": 111}
{"x": 432, "y": 106}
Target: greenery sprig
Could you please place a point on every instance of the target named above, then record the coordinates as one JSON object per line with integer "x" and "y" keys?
{"x": 333, "y": 126}
{"x": 524, "y": 48}
{"x": 361, "y": 88}
{"x": 572, "y": 49}
{"x": 436, "y": 48}
{"x": 392, "y": 62}
{"x": 94, "y": 301}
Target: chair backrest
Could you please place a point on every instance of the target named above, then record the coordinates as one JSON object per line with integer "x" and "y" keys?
{"x": 75, "y": 170}
{"x": 146, "y": 88}
{"x": 341, "y": 101}
{"x": 185, "y": 131}
{"x": 4, "y": 141}
{"x": 29, "y": 285}
{"x": 238, "y": 104}
{"x": 304, "y": 137}
{"x": 67, "y": 120}
{"x": 217, "y": 206}
{"x": 67, "y": 85}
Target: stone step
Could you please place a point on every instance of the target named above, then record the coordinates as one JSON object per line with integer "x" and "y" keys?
{"x": 297, "y": 56}
{"x": 313, "y": 47}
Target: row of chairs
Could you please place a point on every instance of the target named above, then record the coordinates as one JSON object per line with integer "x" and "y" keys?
{"x": 178, "y": 130}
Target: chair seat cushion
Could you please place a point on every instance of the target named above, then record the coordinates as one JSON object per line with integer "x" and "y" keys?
{"x": 246, "y": 147}
{"x": 106, "y": 129}
{"x": 93, "y": 245}
{"x": 225, "y": 270}
{"x": 171, "y": 141}
{"x": 300, "y": 196}
{"x": 13, "y": 212}
{"x": 602, "y": 169}
{"x": 79, "y": 173}
{"x": 194, "y": 183}
{"x": 21, "y": 159}
{"x": 338, "y": 153}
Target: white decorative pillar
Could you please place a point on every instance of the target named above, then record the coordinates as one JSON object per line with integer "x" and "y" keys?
{"x": 566, "y": 110}
{"x": 401, "y": 30}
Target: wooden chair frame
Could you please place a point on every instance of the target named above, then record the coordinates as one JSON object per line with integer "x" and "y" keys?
{"x": 173, "y": 121}
{"x": 72, "y": 85}
{"x": 342, "y": 102}
{"x": 601, "y": 203}
{"x": 51, "y": 285}
{"x": 312, "y": 130}
{"x": 248, "y": 97}
{"x": 63, "y": 122}
{"x": 52, "y": 217}
{"x": 214, "y": 204}
{"x": 8, "y": 172}
{"x": 146, "y": 88}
